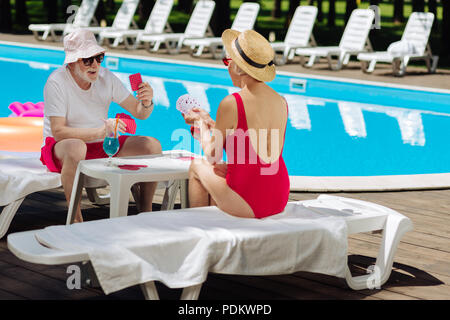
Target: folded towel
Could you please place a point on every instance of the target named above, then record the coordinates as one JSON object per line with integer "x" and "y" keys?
{"x": 401, "y": 48}
{"x": 180, "y": 248}
{"x": 20, "y": 177}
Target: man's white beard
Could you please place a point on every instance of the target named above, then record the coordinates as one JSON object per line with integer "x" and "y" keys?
{"x": 82, "y": 75}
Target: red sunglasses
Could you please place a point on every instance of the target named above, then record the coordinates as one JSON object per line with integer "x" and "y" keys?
{"x": 226, "y": 61}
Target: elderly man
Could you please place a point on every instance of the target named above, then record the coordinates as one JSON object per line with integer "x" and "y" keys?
{"x": 76, "y": 98}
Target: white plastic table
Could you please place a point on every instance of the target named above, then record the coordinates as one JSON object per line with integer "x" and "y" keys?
{"x": 165, "y": 167}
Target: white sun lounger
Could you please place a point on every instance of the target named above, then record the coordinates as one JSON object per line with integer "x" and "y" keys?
{"x": 197, "y": 28}
{"x": 299, "y": 34}
{"x": 180, "y": 247}
{"x": 245, "y": 20}
{"x": 354, "y": 41}
{"x": 157, "y": 23}
{"x": 83, "y": 18}
{"x": 122, "y": 21}
{"x": 20, "y": 177}
{"x": 413, "y": 45}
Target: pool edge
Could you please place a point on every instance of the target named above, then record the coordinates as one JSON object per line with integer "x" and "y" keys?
{"x": 370, "y": 183}
{"x": 316, "y": 183}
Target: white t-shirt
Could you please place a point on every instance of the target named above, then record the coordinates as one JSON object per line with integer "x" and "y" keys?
{"x": 81, "y": 108}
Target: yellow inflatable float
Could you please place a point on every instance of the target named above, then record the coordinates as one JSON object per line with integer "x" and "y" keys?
{"x": 21, "y": 134}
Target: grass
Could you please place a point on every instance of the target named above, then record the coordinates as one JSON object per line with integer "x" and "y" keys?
{"x": 265, "y": 24}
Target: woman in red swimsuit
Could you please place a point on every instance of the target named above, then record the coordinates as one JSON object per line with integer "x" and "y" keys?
{"x": 250, "y": 126}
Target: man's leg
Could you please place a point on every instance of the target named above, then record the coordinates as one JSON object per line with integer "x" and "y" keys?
{"x": 69, "y": 152}
{"x": 141, "y": 145}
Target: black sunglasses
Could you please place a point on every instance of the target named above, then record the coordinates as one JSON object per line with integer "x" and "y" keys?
{"x": 89, "y": 61}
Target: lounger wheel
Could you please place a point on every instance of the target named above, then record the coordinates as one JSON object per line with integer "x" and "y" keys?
{"x": 432, "y": 64}
{"x": 365, "y": 67}
{"x": 397, "y": 68}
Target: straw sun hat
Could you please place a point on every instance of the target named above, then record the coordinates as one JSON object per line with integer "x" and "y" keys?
{"x": 251, "y": 52}
{"x": 81, "y": 43}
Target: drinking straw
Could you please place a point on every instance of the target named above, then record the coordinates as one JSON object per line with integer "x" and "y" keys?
{"x": 115, "y": 129}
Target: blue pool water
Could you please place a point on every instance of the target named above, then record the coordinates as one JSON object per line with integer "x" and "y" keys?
{"x": 335, "y": 128}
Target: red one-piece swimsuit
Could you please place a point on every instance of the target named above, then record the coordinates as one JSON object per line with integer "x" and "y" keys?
{"x": 264, "y": 186}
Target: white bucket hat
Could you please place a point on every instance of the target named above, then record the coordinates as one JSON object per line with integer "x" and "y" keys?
{"x": 80, "y": 43}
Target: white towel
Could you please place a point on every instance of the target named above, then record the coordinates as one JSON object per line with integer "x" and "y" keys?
{"x": 20, "y": 177}
{"x": 180, "y": 247}
{"x": 401, "y": 48}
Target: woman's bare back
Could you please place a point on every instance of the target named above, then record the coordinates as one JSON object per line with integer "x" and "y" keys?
{"x": 266, "y": 113}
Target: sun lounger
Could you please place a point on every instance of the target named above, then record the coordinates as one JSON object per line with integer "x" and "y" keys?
{"x": 83, "y": 18}
{"x": 180, "y": 247}
{"x": 413, "y": 45}
{"x": 354, "y": 41}
{"x": 20, "y": 177}
{"x": 156, "y": 24}
{"x": 122, "y": 21}
{"x": 197, "y": 28}
{"x": 245, "y": 20}
{"x": 299, "y": 34}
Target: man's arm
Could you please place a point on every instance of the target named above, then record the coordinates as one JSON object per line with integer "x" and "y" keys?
{"x": 141, "y": 107}
{"x": 60, "y": 131}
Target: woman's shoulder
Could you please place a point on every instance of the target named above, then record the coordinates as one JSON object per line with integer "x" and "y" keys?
{"x": 228, "y": 103}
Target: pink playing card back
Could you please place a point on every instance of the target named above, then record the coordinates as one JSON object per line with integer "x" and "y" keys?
{"x": 135, "y": 81}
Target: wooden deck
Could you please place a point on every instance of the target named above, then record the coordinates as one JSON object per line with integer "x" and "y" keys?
{"x": 421, "y": 267}
{"x": 422, "y": 263}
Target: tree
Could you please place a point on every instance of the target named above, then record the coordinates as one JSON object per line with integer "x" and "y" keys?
{"x": 100, "y": 12}
{"x": 221, "y": 17}
{"x": 144, "y": 10}
{"x": 276, "y": 12}
{"x": 445, "y": 28}
{"x": 350, "y": 5}
{"x": 5, "y": 16}
{"x": 332, "y": 14}
{"x": 398, "y": 11}
{"x": 21, "y": 13}
{"x": 432, "y": 6}
{"x": 319, "y": 11}
{"x": 111, "y": 4}
{"x": 293, "y": 4}
{"x": 186, "y": 5}
{"x": 418, "y": 5}
{"x": 52, "y": 10}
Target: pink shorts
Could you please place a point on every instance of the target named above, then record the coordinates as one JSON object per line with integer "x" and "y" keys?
{"x": 94, "y": 151}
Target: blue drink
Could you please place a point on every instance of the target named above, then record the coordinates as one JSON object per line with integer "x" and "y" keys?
{"x": 111, "y": 146}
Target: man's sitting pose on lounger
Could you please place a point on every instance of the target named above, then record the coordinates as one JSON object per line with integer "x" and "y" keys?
{"x": 76, "y": 98}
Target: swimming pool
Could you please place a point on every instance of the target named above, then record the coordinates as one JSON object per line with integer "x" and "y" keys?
{"x": 378, "y": 135}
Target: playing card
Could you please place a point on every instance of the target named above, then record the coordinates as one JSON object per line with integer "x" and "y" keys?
{"x": 186, "y": 103}
{"x": 135, "y": 81}
{"x": 131, "y": 124}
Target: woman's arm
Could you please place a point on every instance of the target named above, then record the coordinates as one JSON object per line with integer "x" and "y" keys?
{"x": 213, "y": 138}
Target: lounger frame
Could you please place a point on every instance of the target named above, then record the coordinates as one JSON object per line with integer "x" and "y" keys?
{"x": 392, "y": 224}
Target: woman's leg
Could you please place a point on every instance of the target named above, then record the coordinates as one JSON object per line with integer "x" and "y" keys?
{"x": 205, "y": 181}
{"x": 198, "y": 195}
